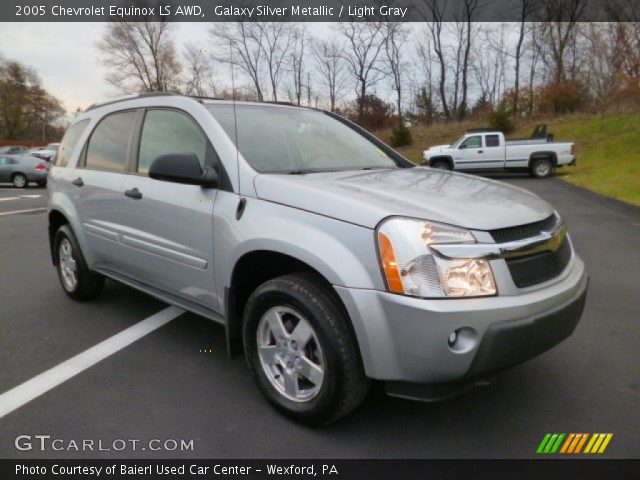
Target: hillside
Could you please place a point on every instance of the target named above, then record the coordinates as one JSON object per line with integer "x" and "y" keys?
{"x": 608, "y": 149}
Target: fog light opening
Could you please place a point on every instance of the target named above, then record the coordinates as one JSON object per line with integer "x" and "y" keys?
{"x": 463, "y": 340}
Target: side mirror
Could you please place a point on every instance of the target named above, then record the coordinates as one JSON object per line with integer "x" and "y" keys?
{"x": 463, "y": 146}
{"x": 182, "y": 168}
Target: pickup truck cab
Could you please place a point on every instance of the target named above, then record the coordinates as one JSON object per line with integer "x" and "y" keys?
{"x": 488, "y": 150}
{"x": 328, "y": 258}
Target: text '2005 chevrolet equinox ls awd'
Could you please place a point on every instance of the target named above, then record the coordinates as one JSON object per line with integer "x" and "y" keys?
{"x": 328, "y": 257}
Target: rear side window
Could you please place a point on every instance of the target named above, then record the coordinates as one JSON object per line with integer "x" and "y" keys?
{"x": 69, "y": 142}
{"x": 109, "y": 142}
{"x": 169, "y": 131}
{"x": 492, "y": 140}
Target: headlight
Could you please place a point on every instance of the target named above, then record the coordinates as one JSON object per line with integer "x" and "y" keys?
{"x": 411, "y": 268}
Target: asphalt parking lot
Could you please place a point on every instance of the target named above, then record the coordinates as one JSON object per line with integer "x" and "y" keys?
{"x": 177, "y": 382}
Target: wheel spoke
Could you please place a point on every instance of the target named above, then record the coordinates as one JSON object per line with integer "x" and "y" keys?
{"x": 276, "y": 325}
{"x": 269, "y": 354}
{"x": 302, "y": 333}
{"x": 290, "y": 383}
{"x": 72, "y": 264}
{"x": 311, "y": 371}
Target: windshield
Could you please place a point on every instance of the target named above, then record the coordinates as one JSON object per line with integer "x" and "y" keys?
{"x": 295, "y": 140}
{"x": 457, "y": 142}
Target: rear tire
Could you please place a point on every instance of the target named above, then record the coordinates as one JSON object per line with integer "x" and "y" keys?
{"x": 313, "y": 374}
{"x": 441, "y": 165}
{"x": 541, "y": 168}
{"x": 77, "y": 280}
{"x": 20, "y": 180}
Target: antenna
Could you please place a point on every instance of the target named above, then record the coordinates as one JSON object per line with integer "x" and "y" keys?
{"x": 235, "y": 117}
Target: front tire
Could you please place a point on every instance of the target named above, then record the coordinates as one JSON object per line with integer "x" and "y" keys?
{"x": 541, "y": 168}
{"x": 301, "y": 350}
{"x": 20, "y": 180}
{"x": 441, "y": 165}
{"x": 77, "y": 280}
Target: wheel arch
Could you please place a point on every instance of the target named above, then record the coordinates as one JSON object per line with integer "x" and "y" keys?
{"x": 442, "y": 158}
{"x": 542, "y": 155}
{"x": 250, "y": 271}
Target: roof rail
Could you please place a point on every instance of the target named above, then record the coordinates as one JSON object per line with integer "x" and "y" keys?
{"x": 130, "y": 97}
{"x": 163, "y": 94}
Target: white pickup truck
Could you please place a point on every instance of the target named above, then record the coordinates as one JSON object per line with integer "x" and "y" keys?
{"x": 488, "y": 150}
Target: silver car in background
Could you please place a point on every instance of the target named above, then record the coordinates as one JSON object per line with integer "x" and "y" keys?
{"x": 329, "y": 258}
{"x": 20, "y": 170}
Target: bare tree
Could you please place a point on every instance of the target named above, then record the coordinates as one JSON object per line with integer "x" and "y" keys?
{"x": 559, "y": 27}
{"x": 525, "y": 10}
{"x": 198, "y": 72}
{"x": 298, "y": 51}
{"x": 468, "y": 9}
{"x": 489, "y": 62}
{"x": 276, "y": 40}
{"x": 436, "y": 9}
{"x": 140, "y": 56}
{"x": 395, "y": 36}
{"x": 329, "y": 63}
{"x": 364, "y": 42}
{"x": 240, "y": 44}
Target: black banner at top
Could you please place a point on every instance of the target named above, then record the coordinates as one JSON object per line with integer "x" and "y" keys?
{"x": 319, "y": 10}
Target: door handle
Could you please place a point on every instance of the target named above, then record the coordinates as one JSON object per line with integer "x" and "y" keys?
{"x": 133, "y": 193}
{"x": 480, "y": 151}
{"x": 78, "y": 182}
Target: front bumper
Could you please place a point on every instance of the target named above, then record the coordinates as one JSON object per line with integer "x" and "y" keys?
{"x": 404, "y": 339}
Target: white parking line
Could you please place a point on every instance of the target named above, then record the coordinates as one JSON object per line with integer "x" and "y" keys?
{"x": 29, "y": 210}
{"x": 24, "y": 393}
{"x": 31, "y": 196}
{"x": 6, "y": 199}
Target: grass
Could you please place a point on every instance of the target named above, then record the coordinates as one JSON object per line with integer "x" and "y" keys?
{"x": 608, "y": 149}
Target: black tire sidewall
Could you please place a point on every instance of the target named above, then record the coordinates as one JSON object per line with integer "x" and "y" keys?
{"x": 270, "y": 295}
{"x": 445, "y": 165}
{"x": 65, "y": 232}
{"x": 535, "y": 163}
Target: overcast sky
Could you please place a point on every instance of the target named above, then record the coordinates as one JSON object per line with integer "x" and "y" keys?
{"x": 67, "y": 60}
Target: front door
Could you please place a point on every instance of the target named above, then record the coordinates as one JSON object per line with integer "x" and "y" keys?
{"x": 169, "y": 237}
{"x": 470, "y": 154}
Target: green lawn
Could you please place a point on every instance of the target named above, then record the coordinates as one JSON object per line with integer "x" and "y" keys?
{"x": 608, "y": 149}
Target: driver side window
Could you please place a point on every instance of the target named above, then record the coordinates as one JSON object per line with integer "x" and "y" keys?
{"x": 170, "y": 131}
{"x": 472, "y": 142}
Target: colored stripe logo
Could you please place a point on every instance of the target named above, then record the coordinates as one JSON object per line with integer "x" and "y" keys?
{"x": 574, "y": 443}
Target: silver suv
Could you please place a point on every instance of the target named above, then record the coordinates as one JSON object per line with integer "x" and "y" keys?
{"x": 328, "y": 258}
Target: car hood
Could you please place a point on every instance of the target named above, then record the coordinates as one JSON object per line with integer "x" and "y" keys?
{"x": 438, "y": 147}
{"x": 366, "y": 197}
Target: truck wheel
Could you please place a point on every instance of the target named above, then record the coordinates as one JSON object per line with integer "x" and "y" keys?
{"x": 441, "y": 165}
{"x": 20, "y": 181}
{"x": 299, "y": 346}
{"x": 77, "y": 280}
{"x": 541, "y": 168}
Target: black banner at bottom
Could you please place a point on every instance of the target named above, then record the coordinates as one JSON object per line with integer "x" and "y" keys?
{"x": 542, "y": 469}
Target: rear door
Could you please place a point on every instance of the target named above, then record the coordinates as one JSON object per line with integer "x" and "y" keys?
{"x": 169, "y": 237}
{"x": 97, "y": 187}
{"x": 493, "y": 152}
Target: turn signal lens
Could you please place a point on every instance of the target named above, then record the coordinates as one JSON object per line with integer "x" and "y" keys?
{"x": 389, "y": 264}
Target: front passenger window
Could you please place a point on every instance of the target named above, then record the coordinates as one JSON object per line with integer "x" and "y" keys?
{"x": 169, "y": 131}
